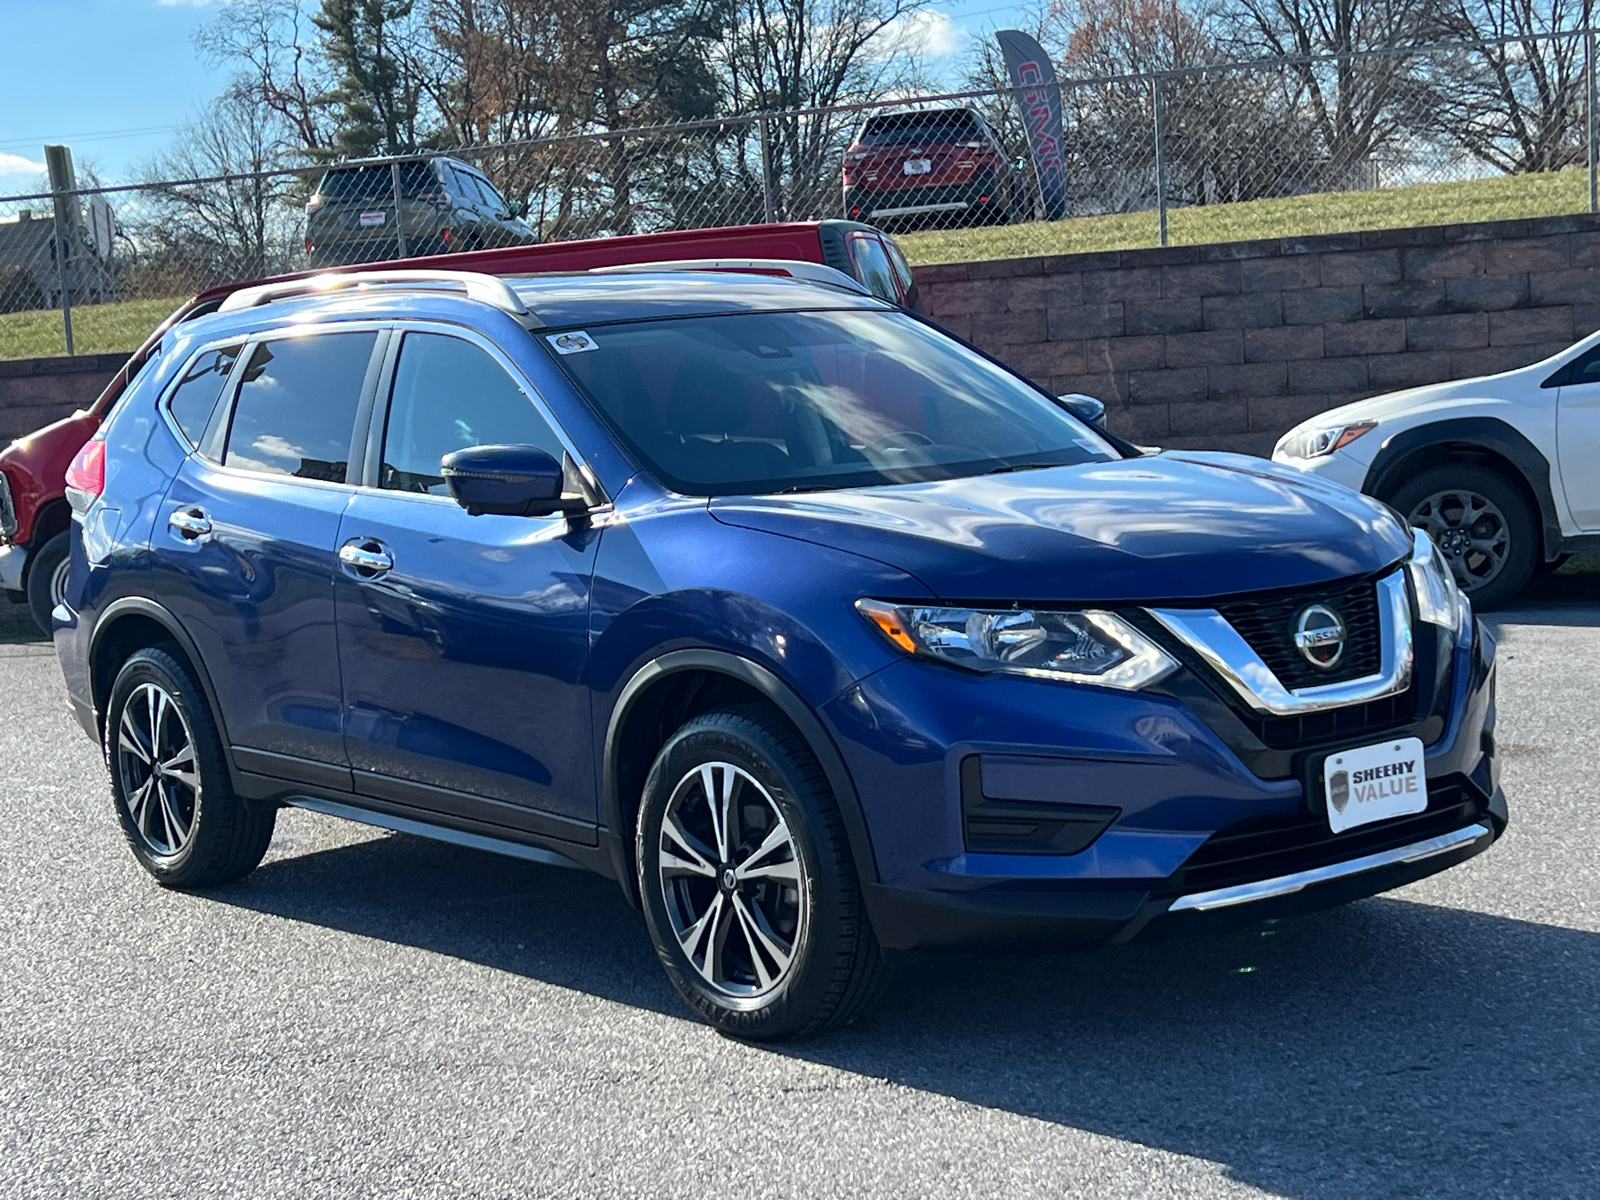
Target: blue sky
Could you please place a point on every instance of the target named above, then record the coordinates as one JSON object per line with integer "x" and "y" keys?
{"x": 117, "y": 79}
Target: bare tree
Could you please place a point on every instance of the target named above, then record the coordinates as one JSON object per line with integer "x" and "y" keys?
{"x": 273, "y": 50}
{"x": 203, "y": 229}
{"x": 1516, "y": 99}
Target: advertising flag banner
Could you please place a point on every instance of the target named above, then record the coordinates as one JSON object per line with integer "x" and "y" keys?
{"x": 1034, "y": 77}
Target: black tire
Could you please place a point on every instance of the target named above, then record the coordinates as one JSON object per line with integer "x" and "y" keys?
{"x": 224, "y": 838}
{"x": 835, "y": 965}
{"x": 47, "y": 578}
{"x": 1417, "y": 499}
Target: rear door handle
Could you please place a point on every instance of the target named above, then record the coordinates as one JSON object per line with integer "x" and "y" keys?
{"x": 191, "y": 524}
{"x": 366, "y": 557}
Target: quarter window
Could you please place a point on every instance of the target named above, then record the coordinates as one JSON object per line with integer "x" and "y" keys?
{"x": 872, "y": 265}
{"x": 297, "y": 406}
{"x": 199, "y": 389}
{"x": 449, "y": 395}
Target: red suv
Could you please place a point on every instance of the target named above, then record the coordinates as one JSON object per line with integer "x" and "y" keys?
{"x": 34, "y": 517}
{"x": 942, "y": 167}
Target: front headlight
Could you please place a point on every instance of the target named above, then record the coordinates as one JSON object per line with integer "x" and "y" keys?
{"x": 1076, "y": 647}
{"x": 1315, "y": 441}
{"x": 1439, "y": 600}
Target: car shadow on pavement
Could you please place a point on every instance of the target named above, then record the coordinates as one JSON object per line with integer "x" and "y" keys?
{"x": 1388, "y": 1048}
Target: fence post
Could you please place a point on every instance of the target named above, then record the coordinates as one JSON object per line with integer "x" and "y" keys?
{"x": 1588, "y": 71}
{"x": 769, "y": 207}
{"x": 1161, "y": 154}
{"x": 61, "y": 273}
{"x": 399, "y": 219}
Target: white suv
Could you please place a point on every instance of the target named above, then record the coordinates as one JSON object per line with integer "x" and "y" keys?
{"x": 1503, "y": 471}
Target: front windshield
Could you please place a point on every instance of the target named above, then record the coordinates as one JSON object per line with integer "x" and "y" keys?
{"x": 801, "y": 401}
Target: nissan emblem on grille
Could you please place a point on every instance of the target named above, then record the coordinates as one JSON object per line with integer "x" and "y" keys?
{"x": 1319, "y": 635}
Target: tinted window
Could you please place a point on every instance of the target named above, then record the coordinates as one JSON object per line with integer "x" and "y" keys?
{"x": 897, "y": 260}
{"x": 448, "y": 395}
{"x": 872, "y": 265}
{"x": 765, "y": 402}
{"x": 1585, "y": 369}
{"x": 297, "y": 406}
{"x": 490, "y": 196}
{"x": 376, "y": 183}
{"x": 197, "y": 392}
{"x": 900, "y": 129}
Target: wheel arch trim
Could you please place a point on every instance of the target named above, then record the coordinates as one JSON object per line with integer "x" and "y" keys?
{"x": 1489, "y": 433}
{"x": 143, "y": 606}
{"x": 800, "y": 714}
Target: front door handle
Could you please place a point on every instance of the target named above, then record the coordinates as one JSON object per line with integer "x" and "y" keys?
{"x": 366, "y": 557}
{"x": 191, "y": 524}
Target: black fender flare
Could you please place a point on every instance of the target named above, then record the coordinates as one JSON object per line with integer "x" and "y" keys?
{"x": 145, "y": 607}
{"x": 811, "y": 728}
{"x": 1492, "y": 434}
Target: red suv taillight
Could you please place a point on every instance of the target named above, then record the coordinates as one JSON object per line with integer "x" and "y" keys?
{"x": 86, "y": 477}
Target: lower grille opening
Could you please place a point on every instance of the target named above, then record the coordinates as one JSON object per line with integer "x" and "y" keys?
{"x": 1265, "y": 848}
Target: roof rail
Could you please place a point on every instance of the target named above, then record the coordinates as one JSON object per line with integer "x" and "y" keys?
{"x": 486, "y": 289}
{"x": 794, "y": 268}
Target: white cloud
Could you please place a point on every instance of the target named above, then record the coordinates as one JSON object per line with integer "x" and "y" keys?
{"x": 925, "y": 34}
{"x": 15, "y": 164}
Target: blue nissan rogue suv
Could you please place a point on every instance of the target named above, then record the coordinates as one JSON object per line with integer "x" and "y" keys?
{"x": 818, "y": 630}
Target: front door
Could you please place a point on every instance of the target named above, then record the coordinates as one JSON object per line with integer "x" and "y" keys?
{"x": 1578, "y": 439}
{"x": 243, "y": 552}
{"x": 464, "y": 639}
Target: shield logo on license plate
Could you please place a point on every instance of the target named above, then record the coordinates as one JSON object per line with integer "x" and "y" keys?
{"x": 1339, "y": 790}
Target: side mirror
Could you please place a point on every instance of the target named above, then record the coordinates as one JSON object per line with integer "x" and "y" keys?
{"x": 514, "y": 481}
{"x": 519, "y": 208}
{"x": 1085, "y": 408}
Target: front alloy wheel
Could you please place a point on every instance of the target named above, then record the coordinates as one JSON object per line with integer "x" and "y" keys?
{"x": 731, "y": 880}
{"x": 747, "y": 881}
{"x": 1481, "y": 522}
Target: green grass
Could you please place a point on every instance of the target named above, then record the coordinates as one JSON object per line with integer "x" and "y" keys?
{"x": 96, "y": 328}
{"x": 108, "y": 328}
{"x": 1497, "y": 199}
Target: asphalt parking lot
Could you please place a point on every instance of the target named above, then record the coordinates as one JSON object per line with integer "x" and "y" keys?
{"x": 378, "y": 1015}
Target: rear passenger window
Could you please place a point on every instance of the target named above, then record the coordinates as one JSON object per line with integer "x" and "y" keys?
{"x": 872, "y": 265}
{"x": 448, "y": 395}
{"x": 199, "y": 389}
{"x": 297, "y": 406}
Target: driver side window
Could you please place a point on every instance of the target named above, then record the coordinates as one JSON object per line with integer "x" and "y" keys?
{"x": 448, "y": 395}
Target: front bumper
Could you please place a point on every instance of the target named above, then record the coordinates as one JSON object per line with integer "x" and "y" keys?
{"x": 1198, "y": 840}
{"x": 13, "y": 558}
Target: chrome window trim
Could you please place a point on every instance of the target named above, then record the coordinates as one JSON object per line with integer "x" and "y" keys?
{"x": 1208, "y": 633}
{"x": 487, "y": 344}
{"x": 1286, "y": 885}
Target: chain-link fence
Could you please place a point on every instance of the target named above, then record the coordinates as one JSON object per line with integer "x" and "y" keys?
{"x": 1421, "y": 135}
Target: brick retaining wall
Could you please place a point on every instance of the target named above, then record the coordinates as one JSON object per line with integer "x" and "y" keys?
{"x": 37, "y": 391}
{"x": 1227, "y": 346}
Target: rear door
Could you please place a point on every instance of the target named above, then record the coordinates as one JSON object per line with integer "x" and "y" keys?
{"x": 244, "y": 546}
{"x": 464, "y": 640}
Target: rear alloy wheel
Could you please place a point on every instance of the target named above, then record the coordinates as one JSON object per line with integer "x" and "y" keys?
{"x": 47, "y": 579}
{"x": 747, "y": 882}
{"x": 170, "y": 782}
{"x": 1482, "y": 525}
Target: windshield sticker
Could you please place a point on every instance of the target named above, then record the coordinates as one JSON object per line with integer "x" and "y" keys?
{"x": 575, "y": 342}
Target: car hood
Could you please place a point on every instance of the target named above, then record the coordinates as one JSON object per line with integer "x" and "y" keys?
{"x": 1177, "y": 526}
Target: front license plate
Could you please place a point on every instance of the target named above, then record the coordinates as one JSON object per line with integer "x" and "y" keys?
{"x": 1374, "y": 783}
{"x": 918, "y": 166}
{"x": 369, "y": 219}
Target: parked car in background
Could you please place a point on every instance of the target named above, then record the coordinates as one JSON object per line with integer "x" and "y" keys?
{"x": 817, "y": 630}
{"x": 1503, "y": 471}
{"x": 445, "y": 205}
{"x": 33, "y": 506}
{"x": 938, "y": 167}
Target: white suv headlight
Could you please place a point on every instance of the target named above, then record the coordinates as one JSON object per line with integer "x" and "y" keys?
{"x": 1315, "y": 441}
{"x": 1439, "y": 600}
{"x": 1076, "y": 647}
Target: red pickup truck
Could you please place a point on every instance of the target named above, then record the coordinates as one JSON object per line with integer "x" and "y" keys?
{"x": 34, "y": 517}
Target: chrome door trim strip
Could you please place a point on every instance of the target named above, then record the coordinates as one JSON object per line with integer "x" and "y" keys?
{"x": 1208, "y": 633}
{"x": 1285, "y": 885}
